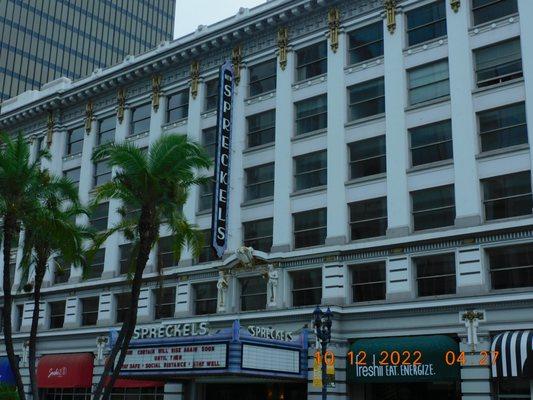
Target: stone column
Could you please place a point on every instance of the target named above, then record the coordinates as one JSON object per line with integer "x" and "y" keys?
{"x": 157, "y": 119}
{"x": 475, "y": 378}
{"x": 400, "y": 285}
{"x": 471, "y": 277}
{"x": 25, "y": 326}
{"x": 398, "y": 205}
{"x": 339, "y": 349}
{"x": 183, "y": 299}
{"x": 145, "y": 310}
{"x": 334, "y": 279}
{"x": 337, "y": 210}
{"x": 72, "y": 313}
{"x": 106, "y": 312}
{"x": 282, "y": 228}
{"x": 464, "y": 127}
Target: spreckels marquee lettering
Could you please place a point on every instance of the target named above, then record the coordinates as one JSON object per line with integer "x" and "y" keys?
{"x": 270, "y": 333}
{"x": 171, "y": 330}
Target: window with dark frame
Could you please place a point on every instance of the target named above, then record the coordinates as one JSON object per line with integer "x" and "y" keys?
{"x": 205, "y": 298}
{"x": 102, "y": 172}
{"x": 435, "y": 275}
{"x": 126, "y": 257}
{"x": 122, "y": 302}
{"x": 503, "y": 127}
{"x": 431, "y": 143}
{"x": 368, "y": 218}
{"x": 205, "y": 196}
{"x": 75, "y": 141}
{"x": 311, "y": 114}
{"x": 106, "y": 130}
{"x": 367, "y": 157}
{"x": 428, "y": 82}
{"x": 12, "y": 272}
{"x": 306, "y": 287}
{"x": 209, "y": 141}
{"x": 312, "y": 61}
{"x": 426, "y": 23}
{"x": 366, "y": 43}
{"x": 165, "y": 252}
{"x": 259, "y": 181}
{"x": 97, "y": 265}
{"x": 433, "y": 207}
{"x": 310, "y": 170}
{"x": 310, "y": 228}
{"x": 207, "y": 253}
{"x": 253, "y": 293}
{"x": 261, "y": 128}
{"x": 99, "y": 216}
{"x": 511, "y": 266}
{"x": 258, "y": 234}
{"x": 263, "y": 77}
{"x": 140, "y": 119}
{"x": 507, "y": 196}
{"x": 61, "y": 271}
{"x": 366, "y": 99}
{"x": 74, "y": 175}
{"x": 489, "y": 10}
{"x": 211, "y": 94}
{"x": 57, "y": 314}
{"x": 89, "y": 311}
{"x": 498, "y": 63}
{"x": 368, "y": 282}
{"x": 165, "y": 302}
{"x": 20, "y": 315}
{"x": 178, "y": 106}
{"x": 68, "y": 394}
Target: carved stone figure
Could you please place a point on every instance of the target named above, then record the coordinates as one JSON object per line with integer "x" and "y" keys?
{"x": 222, "y": 286}
{"x": 272, "y": 286}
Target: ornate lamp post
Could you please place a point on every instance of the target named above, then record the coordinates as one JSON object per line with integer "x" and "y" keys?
{"x": 322, "y": 324}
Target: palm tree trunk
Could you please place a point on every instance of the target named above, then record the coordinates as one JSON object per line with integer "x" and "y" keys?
{"x": 10, "y": 228}
{"x": 40, "y": 269}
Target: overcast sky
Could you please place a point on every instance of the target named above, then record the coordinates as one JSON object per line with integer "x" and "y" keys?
{"x": 191, "y": 13}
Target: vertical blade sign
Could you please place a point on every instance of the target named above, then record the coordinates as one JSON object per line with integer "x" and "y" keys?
{"x": 219, "y": 215}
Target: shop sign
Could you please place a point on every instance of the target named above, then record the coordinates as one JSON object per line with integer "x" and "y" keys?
{"x": 171, "y": 330}
{"x": 164, "y": 358}
{"x": 272, "y": 359}
{"x": 270, "y": 333}
{"x": 402, "y": 359}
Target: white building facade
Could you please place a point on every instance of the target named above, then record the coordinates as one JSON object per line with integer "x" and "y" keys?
{"x": 380, "y": 165}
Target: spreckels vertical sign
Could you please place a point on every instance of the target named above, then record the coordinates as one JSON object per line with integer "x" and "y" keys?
{"x": 222, "y": 160}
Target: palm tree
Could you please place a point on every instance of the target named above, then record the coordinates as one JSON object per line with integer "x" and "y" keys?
{"x": 19, "y": 192}
{"x": 156, "y": 183}
{"x": 51, "y": 231}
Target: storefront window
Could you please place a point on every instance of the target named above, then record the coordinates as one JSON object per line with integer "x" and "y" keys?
{"x": 512, "y": 389}
{"x": 65, "y": 394}
{"x": 150, "y": 393}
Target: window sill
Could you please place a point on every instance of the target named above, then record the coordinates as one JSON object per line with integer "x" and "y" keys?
{"x": 361, "y": 121}
{"x": 255, "y": 202}
{"x": 427, "y": 103}
{"x": 209, "y": 113}
{"x": 497, "y": 86}
{"x": 429, "y": 230}
{"x": 260, "y": 97}
{"x": 311, "y": 190}
{"x": 356, "y": 181}
{"x": 526, "y": 289}
{"x": 505, "y": 150}
{"x": 140, "y": 135}
{"x": 72, "y": 157}
{"x": 431, "y": 165}
{"x": 486, "y": 26}
{"x": 368, "y": 239}
{"x": 432, "y": 43}
{"x": 258, "y": 148}
{"x": 203, "y": 212}
{"x": 310, "y": 81}
{"x": 175, "y": 124}
{"x": 371, "y": 62}
{"x": 306, "y": 135}
{"x": 508, "y": 219}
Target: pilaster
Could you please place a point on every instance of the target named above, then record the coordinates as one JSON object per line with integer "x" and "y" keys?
{"x": 339, "y": 349}
{"x": 145, "y": 309}
{"x": 25, "y": 326}
{"x": 183, "y": 299}
{"x": 333, "y": 284}
{"x": 471, "y": 277}
{"x": 400, "y": 285}
{"x": 475, "y": 378}
{"x": 106, "y": 315}
{"x": 72, "y": 313}
{"x": 157, "y": 119}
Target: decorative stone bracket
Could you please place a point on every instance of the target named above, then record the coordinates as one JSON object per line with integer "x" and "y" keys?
{"x": 236, "y": 59}
{"x": 334, "y": 23}
{"x": 156, "y": 91}
{"x": 195, "y": 78}
{"x": 390, "y": 11}
{"x": 471, "y": 319}
{"x": 49, "y": 128}
{"x": 89, "y": 116}
{"x": 283, "y": 46}
{"x": 121, "y": 104}
{"x": 455, "y": 4}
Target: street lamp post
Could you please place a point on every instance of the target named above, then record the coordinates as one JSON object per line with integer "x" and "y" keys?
{"x": 322, "y": 324}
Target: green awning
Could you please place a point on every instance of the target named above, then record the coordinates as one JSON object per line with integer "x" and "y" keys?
{"x": 403, "y": 359}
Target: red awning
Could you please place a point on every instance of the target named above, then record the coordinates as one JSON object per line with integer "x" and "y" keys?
{"x": 135, "y": 383}
{"x": 65, "y": 371}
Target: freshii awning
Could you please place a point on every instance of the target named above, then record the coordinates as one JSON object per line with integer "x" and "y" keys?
{"x": 6, "y": 374}
{"x": 515, "y": 354}
{"x": 65, "y": 371}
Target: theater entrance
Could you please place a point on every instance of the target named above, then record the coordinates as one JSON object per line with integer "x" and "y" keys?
{"x": 253, "y": 391}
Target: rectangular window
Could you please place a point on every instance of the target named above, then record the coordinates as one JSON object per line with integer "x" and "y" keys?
{"x": 435, "y": 275}
{"x": 20, "y": 315}
{"x": 209, "y": 141}
{"x": 310, "y": 228}
{"x": 433, "y": 208}
{"x": 263, "y": 77}
{"x": 507, "y": 195}
{"x": 165, "y": 252}
{"x": 312, "y": 61}
{"x": 123, "y": 301}
{"x": 125, "y": 258}
{"x": 140, "y": 119}
{"x": 503, "y": 127}
{"x": 306, "y": 287}
{"x": 205, "y": 298}
{"x": 511, "y": 267}
{"x": 310, "y": 170}
{"x": 106, "y": 130}
{"x": 258, "y": 234}
{"x": 368, "y": 282}
{"x": 205, "y": 201}
{"x": 261, "y": 128}
{"x": 428, "y": 82}
{"x": 75, "y": 140}
{"x": 165, "y": 302}
{"x": 178, "y": 106}
{"x": 488, "y": 10}
{"x": 97, "y": 265}
{"x": 259, "y": 181}
{"x": 57, "y": 314}
{"x": 366, "y": 43}
{"x": 61, "y": 271}
{"x": 89, "y": 311}
{"x": 311, "y": 114}
{"x": 498, "y": 63}
{"x": 368, "y": 218}
{"x": 431, "y": 143}
{"x": 102, "y": 173}
{"x": 211, "y": 94}
{"x": 367, "y": 157}
{"x": 74, "y": 175}
{"x": 253, "y": 293}
{"x": 207, "y": 253}
{"x": 426, "y": 23}
{"x": 367, "y": 99}
{"x": 98, "y": 218}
